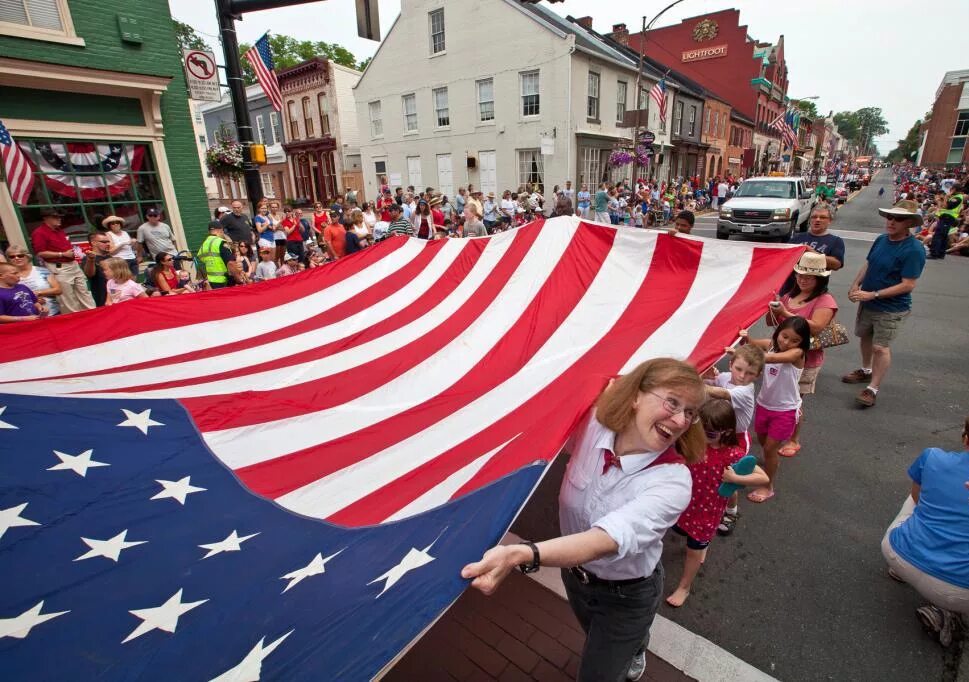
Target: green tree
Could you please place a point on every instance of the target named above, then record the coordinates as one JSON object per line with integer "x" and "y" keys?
{"x": 907, "y": 147}
{"x": 861, "y": 126}
{"x": 188, "y": 37}
{"x": 807, "y": 107}
{"x": 847, "y": 123}
{"x": 287, "y": 52}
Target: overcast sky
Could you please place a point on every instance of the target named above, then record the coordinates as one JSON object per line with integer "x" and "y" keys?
{"x": 851, "y": 53}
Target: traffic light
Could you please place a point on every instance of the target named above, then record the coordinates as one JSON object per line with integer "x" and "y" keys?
{"x": 257, "y": 154}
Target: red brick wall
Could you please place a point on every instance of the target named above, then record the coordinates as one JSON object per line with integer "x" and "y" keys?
{"x": 728, "y": 76}
{"x": 941, "y": 126}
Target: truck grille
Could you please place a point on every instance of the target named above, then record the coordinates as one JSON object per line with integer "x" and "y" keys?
{"x": 753, "y": 216}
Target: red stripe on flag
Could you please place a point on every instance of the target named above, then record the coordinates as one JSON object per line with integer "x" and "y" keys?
{"x": 358, "y": 303}
{"x": 209, "y": 413}
{"x": 101, "y": 325}
{"x": 554, "y": 301}
{"x": 659, "y": 296}
{"x": 747, "y": 305}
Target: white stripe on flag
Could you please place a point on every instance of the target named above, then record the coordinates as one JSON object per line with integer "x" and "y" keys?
{"x": 178, "y": 340}
{"x": 242, "y": 446}
{"x": 602, "y": 305}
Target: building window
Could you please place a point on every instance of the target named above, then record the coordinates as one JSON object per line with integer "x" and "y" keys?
{"x": 380, "y": 169}
{"x": 274, "y": 126}
{"x": 324, "y": 105}
{"x": 620, "y": 101}
{"x": 441, "y": 111}
{"x": 38, "y": 20}
{"x": 90, "y": 179}
{"x": 486, "y": 100}
{"x": 267, "y": 185}
{"x": 293, "y": 123}
{"x": 692, "y": 121}
{"x": 956, "y": 150}
{"x": 962, "y": 124}
{"x": 592, "y": 97}
{"x": 531, "y": 105}
{"x": 591, "y": 171}
{"x": 376, "y": 121}
{"x": 409, "y": 103}
{"x": 436, "y": 22}
{"x": 530, "y": 168}
{"x": 261, "y": 129}
{"x": 678, "y": 119}
{"x": 307, "y": 117}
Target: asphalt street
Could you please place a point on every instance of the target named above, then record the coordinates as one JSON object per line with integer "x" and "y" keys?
{"x": 800, "y": 589}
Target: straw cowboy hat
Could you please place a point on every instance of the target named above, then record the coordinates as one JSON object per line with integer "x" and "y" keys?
{"x": 491, "y": 195}
{"x": 906, "y": 208}
{"x": 435, "y": 201}
{"x": 111, "y": 219}
{"x": 812, "y": 264}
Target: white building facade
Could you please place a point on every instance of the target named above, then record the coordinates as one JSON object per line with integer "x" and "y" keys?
{"x": 493, "y": 94}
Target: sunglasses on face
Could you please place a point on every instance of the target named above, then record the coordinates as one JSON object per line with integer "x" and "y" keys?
{"x": 17, "y": 255}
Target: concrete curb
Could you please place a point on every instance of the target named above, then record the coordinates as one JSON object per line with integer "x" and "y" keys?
{"x": 689, "y": 653}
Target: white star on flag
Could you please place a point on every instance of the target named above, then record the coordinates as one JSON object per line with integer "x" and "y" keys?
{"x": 3, "y": 424}
{"x": 314, "y": 567}
{"x": 140, "y": 420}
{"x": 20, "y": 626}
{"x": 250, "y": 667}
{"x": 79, "y": 464}
{"x": 10, "y": 518}
{"x": 177, "y": 490}
{"x": 109, "y": 549}
{"x": 164, "y": 617}
{"x": 230, "y": 544}
{"x": 415, "y": 558}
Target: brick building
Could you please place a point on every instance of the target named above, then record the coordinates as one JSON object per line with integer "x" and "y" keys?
{"x": 96, "y": 97}
{"x": 320, "y": 123}
{"x": 944, "y": 134}
{"x": 740, "y": 140}
{"x": 716, "y": 51}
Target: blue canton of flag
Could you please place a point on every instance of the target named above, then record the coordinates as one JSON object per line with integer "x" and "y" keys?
{"x": 130, "y": 552}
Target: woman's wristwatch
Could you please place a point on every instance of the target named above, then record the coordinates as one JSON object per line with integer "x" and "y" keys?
{"x": 536, "y": 559}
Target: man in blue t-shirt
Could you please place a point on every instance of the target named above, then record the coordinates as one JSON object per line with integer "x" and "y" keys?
{"x": 819, "y": 240}
{"x": 883, "y": 290}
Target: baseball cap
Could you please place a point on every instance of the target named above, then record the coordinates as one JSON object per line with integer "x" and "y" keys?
{"x": 223, "y": 209}
{"x": 152, "y": 212}
{"x": 215, "y": 225}
{"x": 291, "y": 256}
{"x": 51, "y": 212}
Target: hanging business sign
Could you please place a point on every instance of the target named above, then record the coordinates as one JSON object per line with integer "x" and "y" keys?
{"x": 648, "y": 137}
{"x": 704, "y": 53}
{"x": 201, "y": 75}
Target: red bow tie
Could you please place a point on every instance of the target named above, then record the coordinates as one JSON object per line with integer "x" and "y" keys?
{"x": 612, "y": 460}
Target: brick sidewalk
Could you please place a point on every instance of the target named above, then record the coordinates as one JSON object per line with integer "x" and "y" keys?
{"x": 522, "y": 632}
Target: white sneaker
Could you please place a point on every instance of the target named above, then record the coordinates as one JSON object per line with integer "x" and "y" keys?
{"x": 637, "y": 667}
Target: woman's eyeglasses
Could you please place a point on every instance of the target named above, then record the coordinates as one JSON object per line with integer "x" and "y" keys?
{"x": 17, "y": 255}
{"x": 672, "y": 405}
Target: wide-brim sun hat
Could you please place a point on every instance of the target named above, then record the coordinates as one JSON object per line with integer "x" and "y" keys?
{"x": 111, "y": 219}
{"x": 906, "y": 208}
{"x": 812, "y": 263}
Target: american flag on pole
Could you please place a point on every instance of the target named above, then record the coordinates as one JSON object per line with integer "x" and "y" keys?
{"x": 283, "y": 481}
{"x": 260, "y": 57}
{"x": 16, "y": 167}
{"x": 782, "y": 125}
{"x": 658, "y": 95}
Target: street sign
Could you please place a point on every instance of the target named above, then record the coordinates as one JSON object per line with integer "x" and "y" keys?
{"x": 201, "y": 75}
{"x": 648, "y": 137}
{"x": 368, "y": 20}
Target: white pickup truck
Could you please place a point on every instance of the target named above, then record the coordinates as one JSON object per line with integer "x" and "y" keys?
{"x": 767, "y": 207}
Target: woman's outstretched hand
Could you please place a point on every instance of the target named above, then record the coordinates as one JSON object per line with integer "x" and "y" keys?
{"x": 494, "y": 567}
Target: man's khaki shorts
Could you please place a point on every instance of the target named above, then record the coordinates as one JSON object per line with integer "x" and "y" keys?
{"x": 808, "y": 380}
{"x": 881, "y": 326}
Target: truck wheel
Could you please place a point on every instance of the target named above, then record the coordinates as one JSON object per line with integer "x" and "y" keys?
{"x": 722, "y": 235}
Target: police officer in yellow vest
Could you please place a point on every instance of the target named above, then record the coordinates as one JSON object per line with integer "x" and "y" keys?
{"x": 948, "y": 218}
{"x": 217, "y": 258}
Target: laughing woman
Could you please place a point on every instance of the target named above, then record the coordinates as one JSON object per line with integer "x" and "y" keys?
{"x": 625, "y": 486}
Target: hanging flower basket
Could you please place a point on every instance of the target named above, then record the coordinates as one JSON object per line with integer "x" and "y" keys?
{"x": 224, "y": 158}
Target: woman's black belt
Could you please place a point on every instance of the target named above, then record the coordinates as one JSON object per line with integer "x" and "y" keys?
{"x": 589, "y": 578}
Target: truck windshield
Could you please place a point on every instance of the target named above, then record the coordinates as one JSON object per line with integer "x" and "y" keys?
{"x": 764, "y": 188}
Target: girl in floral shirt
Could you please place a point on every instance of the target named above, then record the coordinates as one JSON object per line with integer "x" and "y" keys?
{"x": 699, "y": 522}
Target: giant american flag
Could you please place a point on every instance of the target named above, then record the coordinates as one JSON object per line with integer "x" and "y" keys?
{"x": 283, "y": 481}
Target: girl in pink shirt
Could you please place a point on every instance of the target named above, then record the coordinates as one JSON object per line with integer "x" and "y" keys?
{"x": 121, "y": 287}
